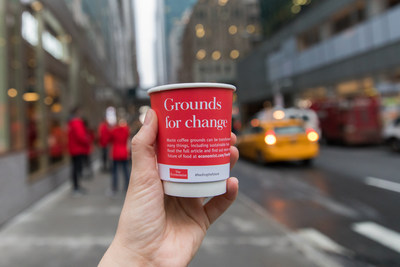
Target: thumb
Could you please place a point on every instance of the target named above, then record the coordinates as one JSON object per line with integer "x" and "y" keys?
{"x": 143, "y": 144}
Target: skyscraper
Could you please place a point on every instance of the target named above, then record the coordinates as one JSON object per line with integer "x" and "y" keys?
{"x": 169, "y": 12}
{"x": 218, "y": 34}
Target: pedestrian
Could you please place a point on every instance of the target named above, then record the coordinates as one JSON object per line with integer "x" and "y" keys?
{"x": 119, "y": 150}
{"x": 103, "y": 133}
{"x": 87, "y": 171}
{"x": 158, "y": 230}
{"x": 78, "y": 143}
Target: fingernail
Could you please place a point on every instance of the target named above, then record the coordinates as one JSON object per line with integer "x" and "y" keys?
{"x": 148, "y": 118}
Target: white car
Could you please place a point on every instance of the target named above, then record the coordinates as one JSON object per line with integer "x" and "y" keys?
{"x": 308, "y": 116}
{"x": 391, "y": 134}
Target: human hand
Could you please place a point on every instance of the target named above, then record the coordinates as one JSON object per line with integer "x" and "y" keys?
{"x": 155, "y": 229}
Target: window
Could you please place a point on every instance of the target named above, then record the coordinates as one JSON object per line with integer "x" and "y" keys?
{"x": 348, "y": 19}
{"x": 32, "y": 123}
{"x": 308, "y": 39}
{"x": 227, "y": 69}
{"x": 288, "y": 130}
{"x": 11, "y": 111}
{"x": 218, "y": 68}
{"x": 201, "y": 14}
{"x": 237, "y": 13}
{"x": 56, "y": 134}
{"x": 29, "y": 28}
{"x": 45, "y": 133}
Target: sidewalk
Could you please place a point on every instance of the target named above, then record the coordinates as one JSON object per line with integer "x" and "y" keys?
{"x": 61, "y": 230}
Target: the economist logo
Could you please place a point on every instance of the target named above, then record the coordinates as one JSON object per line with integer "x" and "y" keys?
{"x": 178, "y": 173}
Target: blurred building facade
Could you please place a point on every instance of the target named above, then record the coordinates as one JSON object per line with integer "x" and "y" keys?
{"x": 332, "y": 48}
{"x": 276, "y": 14}
{"x": 177, "y": 13}
{"x": 174, "y": 56}
{"x": 55, "y": 55}
{"x": 217, "y": 35}
{"x": 159, "y": 44}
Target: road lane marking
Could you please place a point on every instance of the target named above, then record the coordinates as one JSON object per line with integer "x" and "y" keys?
{"x": 318, "y": 257}
{"x": 243, "y": 225}
{"x": 388, "y": 185}
{"x": 378, "y": 233}
{"x": 335, "y": 206}
{"x": 260, "y": 241}
{"x": 319, "y": 240}
{"x": 307, "y": 191}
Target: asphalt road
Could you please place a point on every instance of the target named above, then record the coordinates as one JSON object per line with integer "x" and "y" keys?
{"x": 347, "y": 203}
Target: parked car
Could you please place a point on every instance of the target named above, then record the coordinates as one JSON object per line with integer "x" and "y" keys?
{"x": 391, "y": 134}
{"x": 279, "y": 140}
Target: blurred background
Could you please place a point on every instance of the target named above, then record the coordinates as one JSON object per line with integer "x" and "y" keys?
{"x": 316, "y": 111}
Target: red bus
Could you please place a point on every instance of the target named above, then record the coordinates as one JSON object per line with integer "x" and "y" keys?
{"x": 351, "y": 121}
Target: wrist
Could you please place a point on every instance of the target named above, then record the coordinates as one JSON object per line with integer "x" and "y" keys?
{"x": 118, "y": 255}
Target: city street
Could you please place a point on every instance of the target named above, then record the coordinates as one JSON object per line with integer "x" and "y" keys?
{"x": 346, "y": 203}
{"x": 63, "y": 230}
{"x": 339, "y": 212}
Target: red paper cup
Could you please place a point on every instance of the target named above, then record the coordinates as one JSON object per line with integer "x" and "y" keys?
{"x": 194, "y": 130}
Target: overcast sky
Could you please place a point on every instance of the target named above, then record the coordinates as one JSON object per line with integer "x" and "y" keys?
{"x": 145, "y": 37}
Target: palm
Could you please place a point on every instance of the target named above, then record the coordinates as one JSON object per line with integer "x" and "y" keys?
{"x": 178, "y": 225}
{"x": 185, "y": 227}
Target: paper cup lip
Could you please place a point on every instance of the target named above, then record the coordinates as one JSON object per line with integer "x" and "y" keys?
{"x": 202, "y": 189}
{"x": 175, "y": 86}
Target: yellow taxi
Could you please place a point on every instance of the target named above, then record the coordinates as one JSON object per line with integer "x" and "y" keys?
{"x": 279, "y": 140}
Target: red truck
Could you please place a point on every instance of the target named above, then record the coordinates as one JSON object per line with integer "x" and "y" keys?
{"x": 352, "y": 120}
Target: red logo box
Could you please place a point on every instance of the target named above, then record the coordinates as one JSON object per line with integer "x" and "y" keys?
{"x": 178, "y": 173}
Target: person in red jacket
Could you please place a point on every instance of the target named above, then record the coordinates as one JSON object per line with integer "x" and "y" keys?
{"x": 119, "y": 149}
{"x": 78, "y": 144}
{"x": 104, "y": 139}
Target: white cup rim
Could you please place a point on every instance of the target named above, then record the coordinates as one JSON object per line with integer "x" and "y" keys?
{"x": 190, "y": 86}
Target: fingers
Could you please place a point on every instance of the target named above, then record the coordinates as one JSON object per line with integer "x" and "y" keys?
{"x": 143, "y": 151}
{"x": 234, "y": 151}
{"x": 234, "y": 156}
{"x": 217, "y": 205}
{"x": 233, "y": 139}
